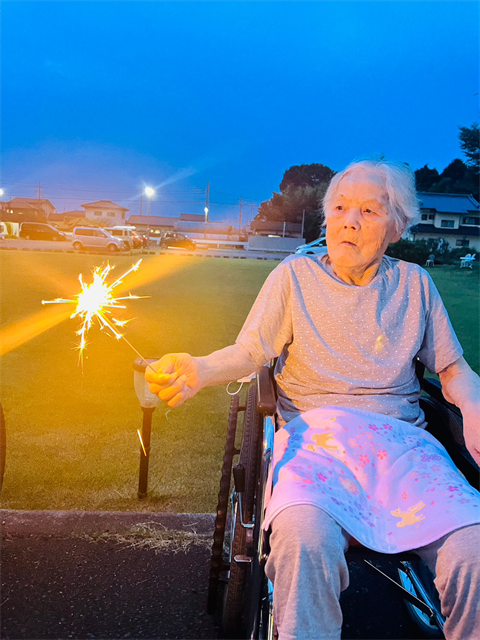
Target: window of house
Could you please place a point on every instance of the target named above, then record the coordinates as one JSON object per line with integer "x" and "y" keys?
{"x": 97, "y": 213}
{"x": 472, "y": 220}
{"x": 111, "y": 214}
{"x": 463, "y": 243}
{"x": 122, "y": 215}
{"x": 448, "y": 224}
{"x": 431, "y": 216}
{"x": 424, "y": 216}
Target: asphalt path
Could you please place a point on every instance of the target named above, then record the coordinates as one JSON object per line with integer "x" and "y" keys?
{"x": 66, "y": 247}
{"x": 99, "y": 575}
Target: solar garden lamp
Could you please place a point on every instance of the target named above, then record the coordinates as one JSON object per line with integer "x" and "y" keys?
{"x": 148, "y": 402}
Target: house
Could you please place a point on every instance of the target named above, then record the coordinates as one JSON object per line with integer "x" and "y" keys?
{"x": 452, "y": 217}
{"x": 192, "y": 217}
{"x": 105, "y": 212}
{"x": 270, "y": 228}
{"x": 26, "y": 210}
{"x": 68, "y": 220}
{"x": 152, "y": 226}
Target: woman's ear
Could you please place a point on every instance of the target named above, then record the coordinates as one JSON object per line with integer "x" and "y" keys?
{"x": 397, "y": 234}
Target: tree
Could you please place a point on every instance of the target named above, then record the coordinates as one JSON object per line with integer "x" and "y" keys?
{"x": 305, "y": 175}
{"x": 302, "y": 189}
{"x": 456, "y": 170}
{"x": 470, "y": 144}
{"x": 425, "y": 178}
{"x": 457, "y": 177}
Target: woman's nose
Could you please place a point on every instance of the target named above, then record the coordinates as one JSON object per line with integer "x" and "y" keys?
{"x": 352, "y": 218}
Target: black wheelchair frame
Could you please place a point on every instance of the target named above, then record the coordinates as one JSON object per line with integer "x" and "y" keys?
{"x": 239, "y": 556}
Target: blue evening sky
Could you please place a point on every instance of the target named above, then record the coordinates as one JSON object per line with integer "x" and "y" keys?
{"x": 99, "y": 99}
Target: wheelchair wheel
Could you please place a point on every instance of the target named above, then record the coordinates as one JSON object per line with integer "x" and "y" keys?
{"x": 242, "y": 539}
{"x": 216, "y": 562}
{"x": 428, "y": 628}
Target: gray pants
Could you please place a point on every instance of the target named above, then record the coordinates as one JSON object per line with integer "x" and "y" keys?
{"x": 308, "y": 582}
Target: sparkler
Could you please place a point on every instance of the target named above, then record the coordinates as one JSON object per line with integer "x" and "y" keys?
{"x": 141, "y": 442}
{"x": 97, "y": 300}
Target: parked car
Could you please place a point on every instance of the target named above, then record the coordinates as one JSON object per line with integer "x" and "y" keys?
{"x": 172, "y": 239}
{"x": 315, "y": 248}
{"x": 40, "y": 231}
{"x": 90, "y": 238}
{"x": 127, "y": 234}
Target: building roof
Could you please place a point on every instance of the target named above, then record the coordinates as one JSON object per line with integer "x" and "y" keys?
{"x": 103, "y": 204}
{"x": 26, "y": 203}
{"x": 153, "y": 221}
{"x": 445, "y": 231}
{"x": 448, "y": 202}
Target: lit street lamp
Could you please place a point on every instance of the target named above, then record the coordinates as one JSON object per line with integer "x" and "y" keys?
{"x": 206, "y": 220}
{"x": 148, "y": 402}
{"x": 149, "y": 192}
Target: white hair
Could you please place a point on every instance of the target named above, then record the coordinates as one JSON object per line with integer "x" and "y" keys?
{"x": 403, "y": 205}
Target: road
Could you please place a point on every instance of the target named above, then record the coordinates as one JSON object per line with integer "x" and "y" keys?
{"x": 45, "y": 245}
{"x": 91, "y": 575}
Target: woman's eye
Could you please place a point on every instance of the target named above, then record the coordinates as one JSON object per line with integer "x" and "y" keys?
{"x": 369, "y": 211}
{"x": 339, "y": 207}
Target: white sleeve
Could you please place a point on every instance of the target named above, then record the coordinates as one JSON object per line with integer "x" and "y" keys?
{"x": 268, "y": 327}
{"x": 440, "y": 347}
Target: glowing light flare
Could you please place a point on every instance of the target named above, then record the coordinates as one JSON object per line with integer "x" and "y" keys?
{"x": 22, "y": 331}
{"x": 97, "y": 301}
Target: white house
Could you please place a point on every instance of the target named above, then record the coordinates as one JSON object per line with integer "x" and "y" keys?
{"x": 105, "y": 212}
{"x": 453, "y": 217}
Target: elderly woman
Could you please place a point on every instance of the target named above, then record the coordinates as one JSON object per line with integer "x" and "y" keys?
{"x": 352, "y": 458}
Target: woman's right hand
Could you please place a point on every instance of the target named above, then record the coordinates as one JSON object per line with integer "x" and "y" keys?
{"x": 173, "y": 378}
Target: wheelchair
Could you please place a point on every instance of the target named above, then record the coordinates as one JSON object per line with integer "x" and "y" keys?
{"x": 240, "y": 546}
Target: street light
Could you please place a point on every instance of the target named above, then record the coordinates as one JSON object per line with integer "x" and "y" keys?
{"x": 148, "y": 402}
{"x": 149, "y": 192}
{"x": 206, "y": 220}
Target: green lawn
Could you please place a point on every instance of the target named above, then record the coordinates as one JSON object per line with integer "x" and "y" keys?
{"x": 71, "y": 430}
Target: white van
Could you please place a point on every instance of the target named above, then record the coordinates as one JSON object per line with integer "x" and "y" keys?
{"x": 128, "y": 234}
{"x": 92, "y": 238}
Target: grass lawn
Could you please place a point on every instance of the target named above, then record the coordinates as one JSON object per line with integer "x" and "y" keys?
{"x": 71, "y": 430}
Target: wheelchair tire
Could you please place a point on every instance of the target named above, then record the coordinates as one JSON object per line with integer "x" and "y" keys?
{"x": 216, "y": 562}
{"x": 3, "y": 445}
{"x": 234, "y": 593}
{"x": 421, "y": 620}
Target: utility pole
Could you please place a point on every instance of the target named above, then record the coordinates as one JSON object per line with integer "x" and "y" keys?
{"x": 141, "y": 202}
{"x": 240, "y": 217}
{"x": 251, "y": 213}
{"x": 39, "y": 191}
{"x": 303, "y": 223}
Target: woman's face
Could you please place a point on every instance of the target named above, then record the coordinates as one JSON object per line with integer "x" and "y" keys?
{"x": 359, "y": 228}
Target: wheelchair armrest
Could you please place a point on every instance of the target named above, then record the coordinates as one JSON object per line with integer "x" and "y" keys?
{"x": 266, "y": 403}
{"x": 446, "y": 424}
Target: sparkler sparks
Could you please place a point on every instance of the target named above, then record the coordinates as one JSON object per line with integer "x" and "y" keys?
{"x": 96, "y": 300}
{"x": 141, "y": 442}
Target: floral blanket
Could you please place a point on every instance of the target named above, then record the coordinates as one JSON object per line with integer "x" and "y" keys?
{"x": 389, "y": 484}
